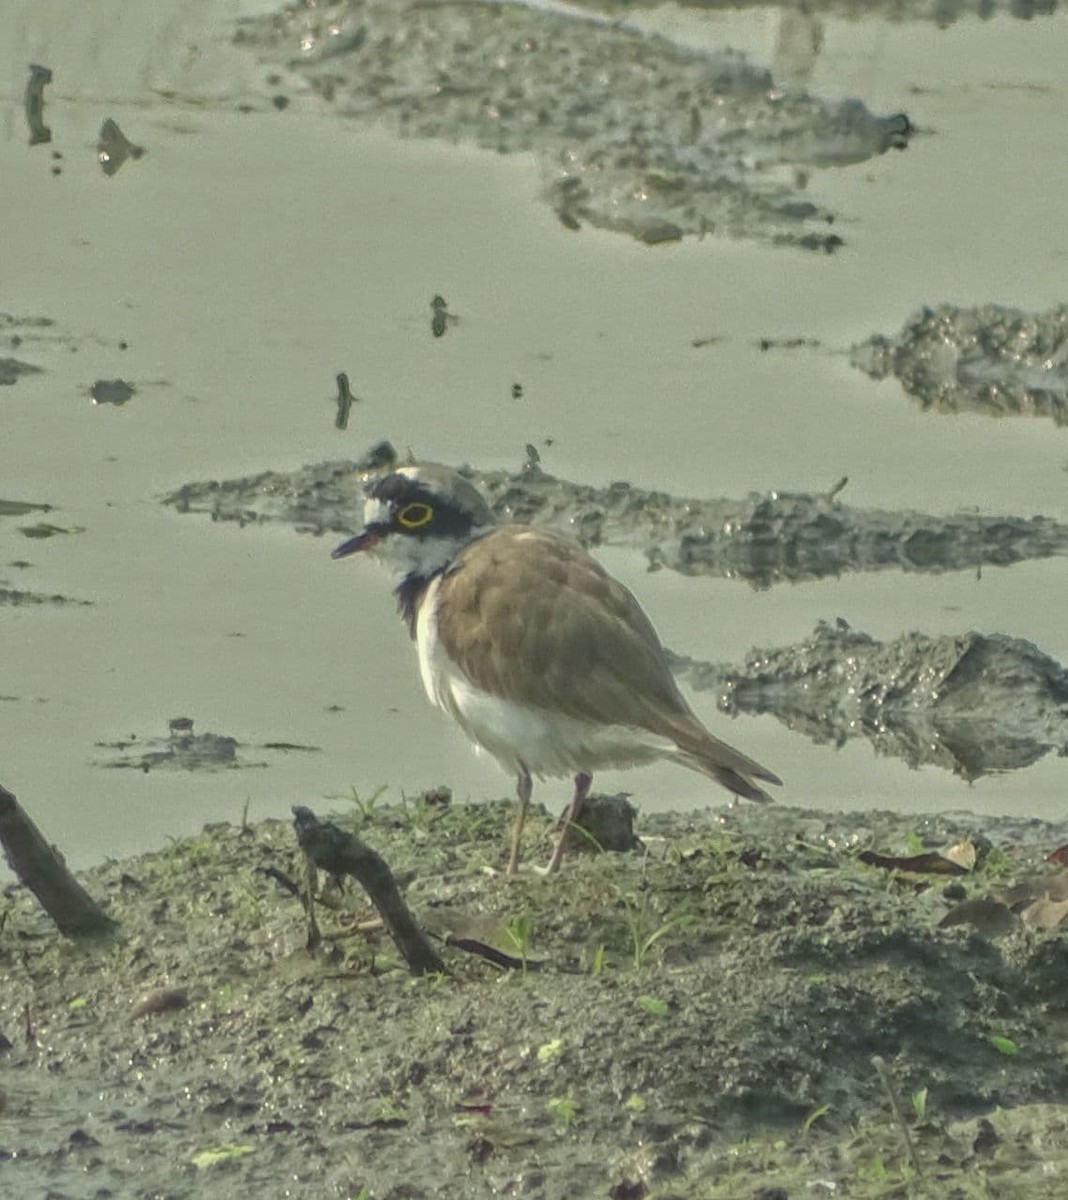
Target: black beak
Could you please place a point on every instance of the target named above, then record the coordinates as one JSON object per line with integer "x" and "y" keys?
{"x": 364, "y": 540}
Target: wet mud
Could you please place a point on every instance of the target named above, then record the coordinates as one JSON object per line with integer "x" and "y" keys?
{"x": 780, "y": 537}
{"x": 114, "y": 148}
{"x": 112, "y": 391}
{"x": 18, "y": 597}
{"x": 992, "y": 360}
{"x": 41, "y": 337}
{"x": 942, "y": 12}
{"x": 184, "y": 750}
{"x": 11, "y": 369}
{"x": 970, "y": 703}
{"x": 633, "y": 132}
{"x": 775, "y": 996}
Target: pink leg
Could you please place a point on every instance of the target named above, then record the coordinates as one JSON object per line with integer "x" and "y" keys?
{"x": 582, "y": 790}
{"x": 523, "y": 789}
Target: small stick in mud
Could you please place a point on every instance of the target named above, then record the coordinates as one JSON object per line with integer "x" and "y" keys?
{"x": 345, "y": 400}
{"x": 442, "y": 318}
{"x": 506, "y": 962}
{"x": 314, "y": 937}
{"x": 883, "y": 1071}
{"x": 41, "y": 868}
{"x": 34, "y": 104}
{"x": 343, "y": 853}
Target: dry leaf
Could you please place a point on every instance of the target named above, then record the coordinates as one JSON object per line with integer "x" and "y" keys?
{"x": 920, "y": 864}
{"x": 963, "y": 854}
{"x": 990, "y": 917}
{"x": 1045, "y": 913}
{"x": 1037, "y": 887}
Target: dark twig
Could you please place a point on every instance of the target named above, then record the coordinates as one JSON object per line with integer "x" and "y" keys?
{"x": 345, "y": 400}
{"x": 491, "y": 954}
{"x": 883, "y": 1071}
{"x": 282, "y": 879}
{"x": 42, "y": 869}
{"x": 33, "y": 102}
{"x": 341, "y": 853}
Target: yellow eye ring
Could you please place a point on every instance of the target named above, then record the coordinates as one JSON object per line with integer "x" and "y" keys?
{"x": 415, "y": 516}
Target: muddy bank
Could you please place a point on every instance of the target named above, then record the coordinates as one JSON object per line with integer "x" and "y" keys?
{"x": 764, "y": 539}
{"x": 971, "y": 703}
{"x": 633, "y": 132}
{"x": 699, "y": 1022}
{"x": 992, "y": 360}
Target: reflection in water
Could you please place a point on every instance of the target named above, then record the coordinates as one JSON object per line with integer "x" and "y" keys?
{"x": 991, "y": 360}
{"x": 970, "y": 703}
{"x": 780, "y": 537}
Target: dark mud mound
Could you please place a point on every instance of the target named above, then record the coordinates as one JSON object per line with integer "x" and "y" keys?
{"x": 763, "y": 539}
{"x": 691, "y": 1012}
{"x": 972, "y": 703}
{"x": 991, "y": 360}
{"x": 633, "y": 132}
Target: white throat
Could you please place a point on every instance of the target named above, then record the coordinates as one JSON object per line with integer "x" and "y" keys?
{"x": 408, "y": 556}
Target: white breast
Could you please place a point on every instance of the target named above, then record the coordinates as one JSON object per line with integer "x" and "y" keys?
{"x": 543, "y": 743}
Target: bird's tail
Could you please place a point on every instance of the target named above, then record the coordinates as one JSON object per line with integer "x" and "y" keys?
{"x": 727, "y": 766}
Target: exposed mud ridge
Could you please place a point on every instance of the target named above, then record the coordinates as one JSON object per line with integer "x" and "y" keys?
{"x": 971, "y": 703}
{"x": 18, "y": 598}
{"x": 944, "y": 12}
{"x": 12, "y": 368}
{"x": 698, "y": 1024}
{"x": 764, "y": 539}
{"x": 184, "y": 750}
{"x": 997, "y": 361}
{"x": 633, "y": 132}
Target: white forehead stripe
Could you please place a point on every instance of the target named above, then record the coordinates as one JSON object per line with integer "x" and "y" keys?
{"x": 375, "y": 510}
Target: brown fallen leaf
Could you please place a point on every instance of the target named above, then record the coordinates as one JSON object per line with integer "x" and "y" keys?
{"x": 1059, "y": 857}
{"x": 1045, "y": 913}
{"x": 163, "y": 1000}
{"x": 963, "y": 854}
{"x": 989, "y": 917}
{"x": 919, "y": 864}
{"x": 1036, "y": 887}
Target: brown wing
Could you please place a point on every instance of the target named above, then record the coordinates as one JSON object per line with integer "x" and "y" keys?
{"x": 567, "y": 636}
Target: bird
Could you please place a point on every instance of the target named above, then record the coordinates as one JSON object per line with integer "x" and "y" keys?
{"x": 545, "y": 661}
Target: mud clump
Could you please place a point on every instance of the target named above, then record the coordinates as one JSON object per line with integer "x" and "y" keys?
{"x": 633, "y": 132}
{"x": 972, "y": 703}
{"x": 996, "y": 361}
{"x": 764, "y": 539}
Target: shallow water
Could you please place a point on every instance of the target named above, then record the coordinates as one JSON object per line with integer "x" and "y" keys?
{"x": 249, "y": 256}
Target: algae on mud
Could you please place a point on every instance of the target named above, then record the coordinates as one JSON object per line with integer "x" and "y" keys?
{"x": 703, "y": 1028}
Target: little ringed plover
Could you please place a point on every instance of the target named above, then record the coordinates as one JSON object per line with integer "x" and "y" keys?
{"x": 540, "y": 656}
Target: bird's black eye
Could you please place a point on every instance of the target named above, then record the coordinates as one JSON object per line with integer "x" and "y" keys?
{"x": 415, "y": 515}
